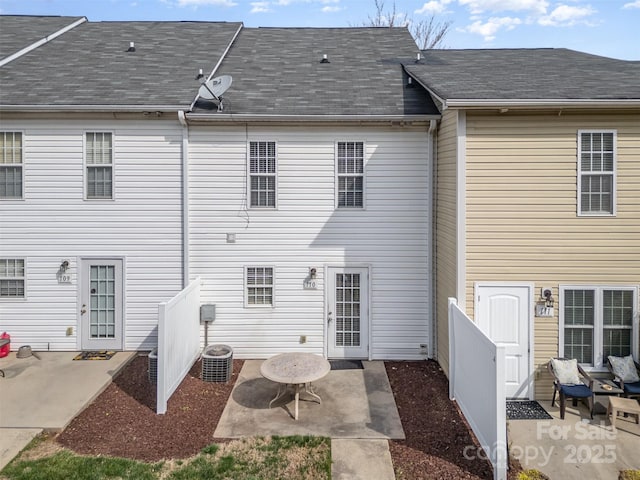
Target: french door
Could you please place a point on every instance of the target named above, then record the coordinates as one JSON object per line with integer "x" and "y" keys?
{"x": 348, "y": 312}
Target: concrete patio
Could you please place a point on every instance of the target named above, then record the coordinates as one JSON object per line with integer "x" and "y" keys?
{"x": 46, "y": 393}
{"x": 576, "y": 448}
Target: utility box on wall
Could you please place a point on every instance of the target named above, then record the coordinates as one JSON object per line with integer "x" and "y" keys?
{"x": 207, "y": 313}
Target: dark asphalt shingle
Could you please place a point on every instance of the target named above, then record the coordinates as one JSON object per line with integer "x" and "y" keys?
{"x": 20, "y": 31}
{"x": 278, "y": 71}
{"x": 90, "y": 65}
{"x": 505, "y": 74}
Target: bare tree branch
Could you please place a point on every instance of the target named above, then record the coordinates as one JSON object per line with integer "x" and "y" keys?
{"x": 428, "y": 33}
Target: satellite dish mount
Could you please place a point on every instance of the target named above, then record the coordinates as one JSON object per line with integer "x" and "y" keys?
{"x": 214, "y": 88}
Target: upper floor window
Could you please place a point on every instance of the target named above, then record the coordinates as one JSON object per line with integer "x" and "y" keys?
{"x": 262, "y": 174}
{"x": 99, "y": 164}
{"x": 259, "y": 286}
{"x": 596, "y": 172}
{"x": 596, "y": 322}
{"x": 10, "y": 165}
{"x": 350, "y": 174}
{"x": 11, "y": 278}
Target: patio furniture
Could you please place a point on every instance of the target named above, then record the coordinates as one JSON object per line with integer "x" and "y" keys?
{"x": 567, "y": 382}
{"x": 295, "y": 370}
{"x": 626, "y": 373}
{"x": 622, "y": 405}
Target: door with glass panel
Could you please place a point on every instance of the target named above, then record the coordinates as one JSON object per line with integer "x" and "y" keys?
{"x": 348, "y": 313}
{"x": 101, "y": 313}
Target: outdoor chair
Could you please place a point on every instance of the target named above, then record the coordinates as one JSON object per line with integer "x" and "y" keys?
{"x": 566, "y": 375}
{"x": 626, "y": 373}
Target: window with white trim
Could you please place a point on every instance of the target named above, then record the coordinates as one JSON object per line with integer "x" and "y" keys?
{"x": 596, "y": 322}
{"x": 350, "y": 174}
{"x": 596, "y": 172}
{"x": 262, "y": 174}
{"x": 11, "y": 165}
{"x": 259, "y": 286}
{"x": 99, "y": 164}
{"x": 11, "y": 278}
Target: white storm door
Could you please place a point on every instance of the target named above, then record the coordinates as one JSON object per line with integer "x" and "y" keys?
{"x": 503, "y": 313}
{"x": 348, "y": 312}
{"x": 101, "y": 313}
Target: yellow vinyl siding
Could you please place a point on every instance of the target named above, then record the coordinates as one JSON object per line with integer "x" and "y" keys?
{"x": 445, "y": 230}
{"x": 521, "y": 203}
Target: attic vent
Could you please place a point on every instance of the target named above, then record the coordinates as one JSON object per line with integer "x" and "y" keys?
{"x": 418, "y": 56}
{"x": 325, "y": 59}
{"x": 132, "y": 47}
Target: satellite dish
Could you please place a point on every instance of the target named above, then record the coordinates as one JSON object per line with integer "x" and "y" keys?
{"x": 214, "y": 88}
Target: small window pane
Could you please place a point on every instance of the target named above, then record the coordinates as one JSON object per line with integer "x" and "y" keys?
{"x": 262, "y": 167}
{"x": 618, "y": 308}
{"x": 259, "y": 285}
{"x": 99, "y": 158}
{"x": 11, "y": 278}
{"x": 578, "y": 343}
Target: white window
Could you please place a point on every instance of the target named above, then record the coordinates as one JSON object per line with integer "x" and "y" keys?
{"x": 350, "y": 175}
{"x": 596, "y": 322}
{"x": 259, "y": 286}
{"x": 262, "y": 174}
{"x": 11, "y": 278}
{"x": 10, "y": 165}
{"x": 596, "y": 172}
{"x": 99, "y": 162}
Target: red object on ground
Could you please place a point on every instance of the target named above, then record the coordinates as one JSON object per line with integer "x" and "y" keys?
{"x": 5, "y": 349}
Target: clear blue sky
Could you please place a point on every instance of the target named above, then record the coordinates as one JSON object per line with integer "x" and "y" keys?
{"x": 603, "y": 27}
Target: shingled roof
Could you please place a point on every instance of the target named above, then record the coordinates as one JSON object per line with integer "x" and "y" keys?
{"x": 280, "y": 71}
{"x": 21, "y": 31}
{"x": 525, "y": 74}
{"x": 89, "y": 66}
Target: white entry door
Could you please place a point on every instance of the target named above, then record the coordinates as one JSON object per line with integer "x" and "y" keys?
{"x": 101, "y": 313}
{"x": 348, "y": 312}
{"x": 503, "y": 313}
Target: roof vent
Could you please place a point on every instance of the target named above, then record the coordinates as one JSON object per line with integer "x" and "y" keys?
{"x": 325, "y": 59}
{"x": 409, "y": 82}
{"x": 200, "y": 75}
{"x": 418, "y": 56}
{"x": 132, "y": 47}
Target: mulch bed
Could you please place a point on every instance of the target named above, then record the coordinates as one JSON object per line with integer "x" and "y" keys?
{"x": 122, "y": 421}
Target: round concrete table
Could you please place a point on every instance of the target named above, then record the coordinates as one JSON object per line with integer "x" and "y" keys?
{"x": 297, "y": 370}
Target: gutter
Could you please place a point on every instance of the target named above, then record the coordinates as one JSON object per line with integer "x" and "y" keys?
{"x": 185, "y": 198}
{"x": 528, "y": 103}
{"x": 42, "y": 41}
{"x": 91, "y": 108}
{"x": 242, "y": 118}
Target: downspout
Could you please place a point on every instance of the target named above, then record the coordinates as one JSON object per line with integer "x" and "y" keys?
{"x": 185, "y": 198}
{"x": 432, "y": 169}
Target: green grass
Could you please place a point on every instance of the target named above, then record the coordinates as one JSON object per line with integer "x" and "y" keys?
{"x": 65, "y": 465}
{"x": 295, "y": 458}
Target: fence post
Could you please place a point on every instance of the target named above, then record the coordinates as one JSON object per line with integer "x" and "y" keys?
{"x": 452, "y": 347}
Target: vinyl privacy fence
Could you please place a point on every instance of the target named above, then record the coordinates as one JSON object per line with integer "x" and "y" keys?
{"x": 178, "y": 341}
{"x": 477, "y": 384}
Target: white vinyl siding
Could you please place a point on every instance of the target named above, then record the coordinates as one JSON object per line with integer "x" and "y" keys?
{"x": 308, "y": 231}
{"x": 262, "y": 174}
{"x": 11, "y": 173}
{"x": 99, "y": 164}
{"x": 143, "y": 227}
{"x": 596, "y": 172}
{"x": 12, "y": 278}
{"x": 350, "y": 174}
{"x": 259, "y": 286}
{"x": 596, "y": 322}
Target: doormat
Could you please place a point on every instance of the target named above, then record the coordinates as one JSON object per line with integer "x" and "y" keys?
{"x": 95, "y": 355}
{"x": 526, "y": 410}
{"x": 346, "y": 365}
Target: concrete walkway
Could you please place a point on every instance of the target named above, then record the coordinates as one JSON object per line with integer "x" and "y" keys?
{"x": 358, "y": 412}
{"x": 576, "y": 448}
{"x": 46, "y": 394}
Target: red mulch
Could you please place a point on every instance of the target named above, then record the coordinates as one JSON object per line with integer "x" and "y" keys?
{"x": 122, "y": 421}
